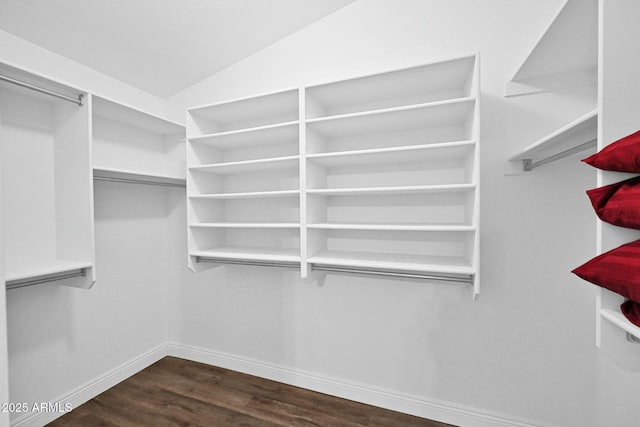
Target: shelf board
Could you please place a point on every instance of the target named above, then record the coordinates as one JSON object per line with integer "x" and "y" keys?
{"x": 247, "y": 195}
{"x": 393, "y": 190}
{"x": 391, "y": 155}
{"x": 566, "y": 54}
{"x": 44, "y": 270}
{"x": 264, "y": 110}
{"x": 268, "y": 134}
{"x": 391, "y": 227}
{"x": 579, "y": 135}
{"x": 417, "y": 84}
{"x": 127, "y": 176}
{"x": 274, "y": 163}
{"x": 446, "y": 265}
{"x": 253, "y": 254}
{"x": 442, "y": 113}
{"x": 245, "y": 225}
{"x": 618, "y": 319}
{"x": 115, "y": 111}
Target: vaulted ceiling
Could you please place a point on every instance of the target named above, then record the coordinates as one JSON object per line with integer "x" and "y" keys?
{"x": 160, "y": 46}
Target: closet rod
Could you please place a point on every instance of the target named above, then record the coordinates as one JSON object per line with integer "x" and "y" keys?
{"x": 21, "y": 283}
{"x": 457, "y": 278}
{"x": 216, "y": 260}
{"x": 79, "y": 100}
{"x": 139, "y": 181}
{"x": 529, "y": 164}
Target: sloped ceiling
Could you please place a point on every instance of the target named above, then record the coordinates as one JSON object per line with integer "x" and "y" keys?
{"x": 159, "y": 46}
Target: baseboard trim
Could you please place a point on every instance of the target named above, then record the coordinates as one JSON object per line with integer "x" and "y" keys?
{"x": 446, "y": 412}
{"x": 93, "y": 388}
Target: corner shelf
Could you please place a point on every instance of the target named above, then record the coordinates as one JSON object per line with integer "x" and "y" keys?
{"x": 577, "y": 136}
{"x": 68, "y": 271}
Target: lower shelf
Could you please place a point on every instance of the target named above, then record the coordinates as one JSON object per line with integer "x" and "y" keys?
{"x": 72, "y": 273}
{"x": 251, "y": 254}
{"x": 618, "y": 319}
{"x": 131, "y": 177}
{"x": 442, "y": 265}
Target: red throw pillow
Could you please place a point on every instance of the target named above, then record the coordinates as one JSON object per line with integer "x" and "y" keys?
{"x": 631, "y": 311}
{"x": 617, "y": 270}
{"x": 619, "y": 203}
{"x": 622, "y": 155}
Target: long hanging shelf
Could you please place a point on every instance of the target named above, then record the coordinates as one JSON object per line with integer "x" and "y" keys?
{"x": 575, "y": 137}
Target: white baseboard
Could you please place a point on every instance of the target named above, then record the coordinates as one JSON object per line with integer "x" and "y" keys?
{"x": 93, "y": 388}
{"x": 446, "y": 412}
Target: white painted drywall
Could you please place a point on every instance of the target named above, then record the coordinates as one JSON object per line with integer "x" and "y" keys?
{"x": 4, "y": 369}
{"x": 526, "y": 348}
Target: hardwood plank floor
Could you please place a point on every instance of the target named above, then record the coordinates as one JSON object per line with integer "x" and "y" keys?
{"x": 178, "y": 392}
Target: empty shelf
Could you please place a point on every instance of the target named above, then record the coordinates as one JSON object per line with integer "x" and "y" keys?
{"x": 276, "y": 163}
{"x": 131, "y": 177}
{"x": 391, "y": 227}
{"x": 429, "y": 264}
{"x": 245, "y": 225}
{"x": 247, "y": 195}
{"x": 269, "y": 134}
{"x": 50, "y": 272}
{"x": 254, "y": 254}
{"x": 395, "y": 190}
{"x": 577, "y": 136}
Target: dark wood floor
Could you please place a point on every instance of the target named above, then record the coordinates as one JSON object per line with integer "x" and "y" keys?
{"x": 178, "y": 392}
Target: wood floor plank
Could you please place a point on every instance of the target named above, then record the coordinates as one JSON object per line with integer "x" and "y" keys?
{"x": 178, "y": 392}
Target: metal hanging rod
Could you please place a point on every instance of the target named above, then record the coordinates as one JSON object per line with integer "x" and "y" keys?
{"x": 216, "y": 260}
{"x": 21, "y": 283}
{"x": 79, "y": 100}
{"x": 529, "y": 164}
{"x": 444, "y": 277}
{"x": 139, "y": 181}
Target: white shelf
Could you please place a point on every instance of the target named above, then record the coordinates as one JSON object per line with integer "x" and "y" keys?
{"x": 435, "y": 114}
{"x": 579, "y": 135}
{"x": 276, "y": 163}
{"x": 618, "y": 319}
{"x": 395, "y": 190}
{"x": 269, "y": 134}
{"x": 45, "y": 272}
{"x": 247, "y": 195}
{"x": 245, "y": 113}
{"x": 245, "y": 225}
{"x": 410, "y": 154}
{"x": 118, "y": 112}
{"x": 445, "y": 265}
{"x": 414, "y": 85}
{"x": 254, "y": 254}
{"x": 566, "y": 54}
{"x": 120, "y": 175}
{"x": 390, "y": 227}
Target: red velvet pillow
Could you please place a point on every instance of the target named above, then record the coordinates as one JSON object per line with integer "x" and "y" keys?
{"x": 622, "y": 155}
{"x": 617, "y": 270}
{"x": 619, "y": 203}
{"x": 631, "y": 311}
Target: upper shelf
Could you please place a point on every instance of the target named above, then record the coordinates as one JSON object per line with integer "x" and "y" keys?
{"x": 566, "y": 54}
{"x": 120, "y": 113}
{"x": 415, "y": 85}
{"x": 579, "y": 135}
{"x": 246, "y": 113}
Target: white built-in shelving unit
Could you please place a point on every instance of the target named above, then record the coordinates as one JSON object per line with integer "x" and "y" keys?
{"x": 54, "y": 141}
{"x": 45, "y": 159}
{"x": 585, "y": 44}
{"x": 379, "y": 174}
{"x": 130, "y": 145}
